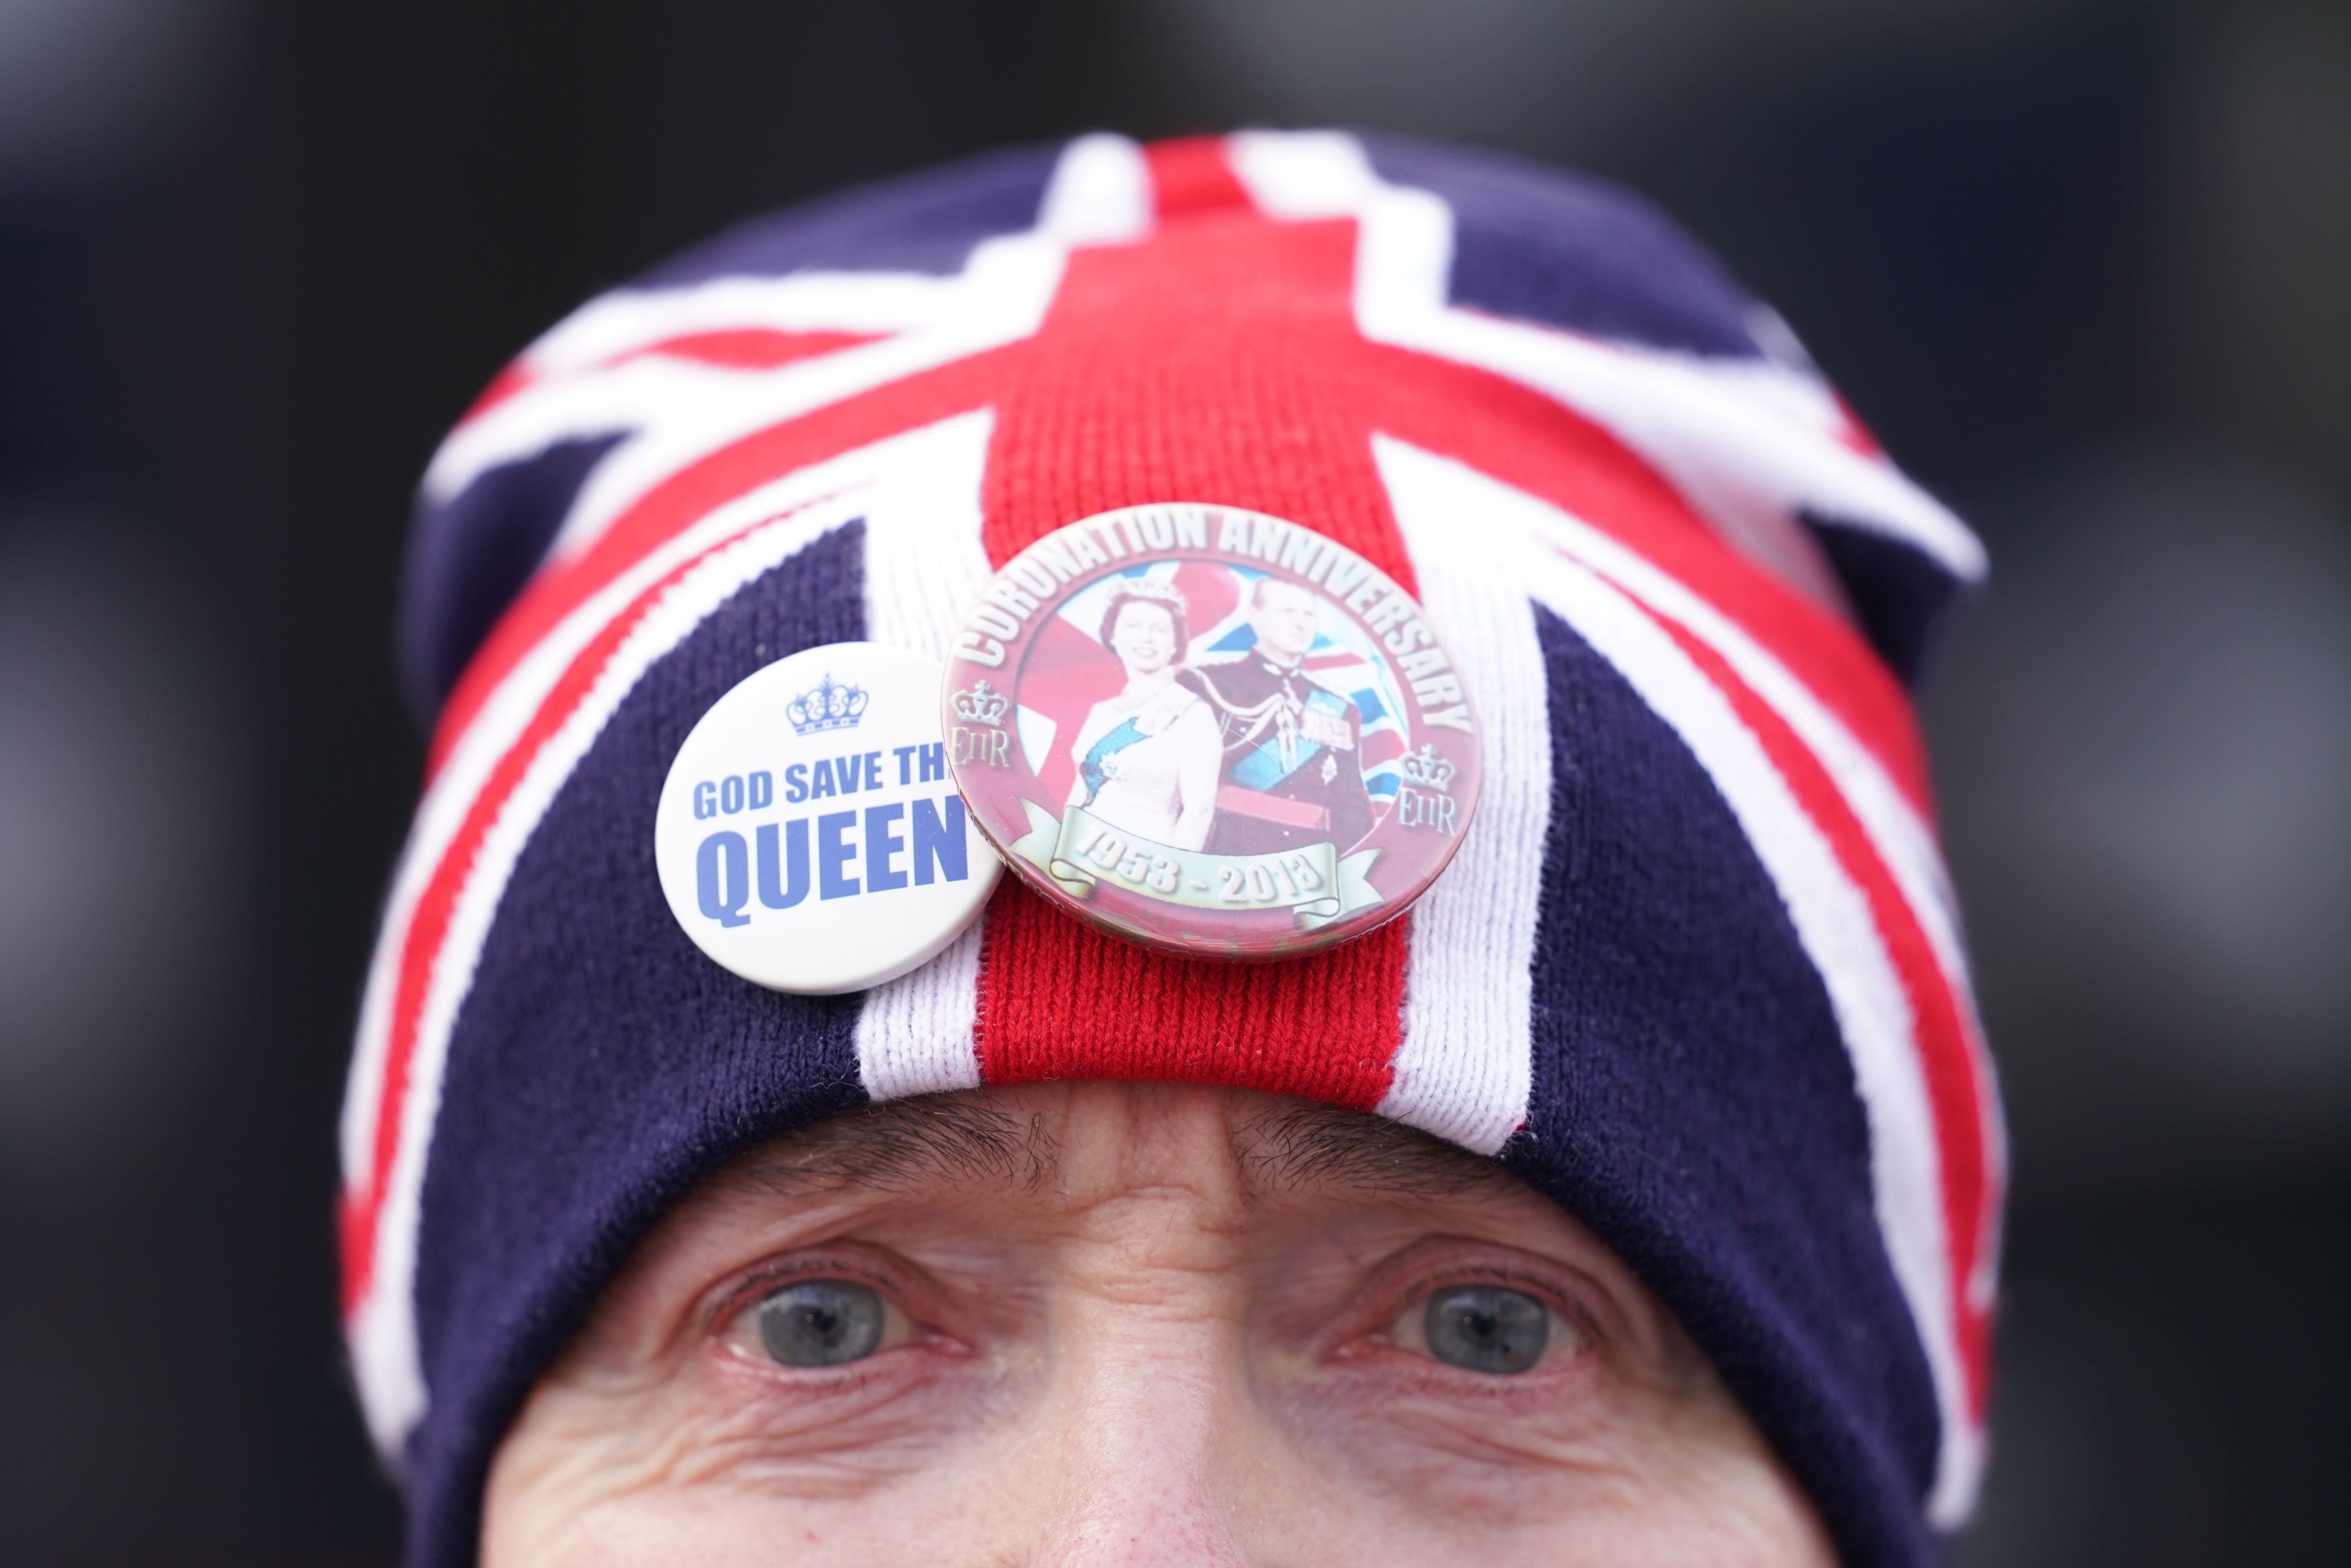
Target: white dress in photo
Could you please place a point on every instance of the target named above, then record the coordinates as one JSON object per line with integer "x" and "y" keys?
{"x": 1130, "y": 759}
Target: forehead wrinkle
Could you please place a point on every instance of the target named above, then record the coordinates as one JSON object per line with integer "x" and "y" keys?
{"x": 945, "y": 1139}
{"x": 1297, "y": 1145}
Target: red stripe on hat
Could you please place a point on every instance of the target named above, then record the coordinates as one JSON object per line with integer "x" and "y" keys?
{"x": 515, "y": 377}
{"x": 749, "y": 348}
{"x": 1958, "y": 1087}
{"x": 1194, "y": 365}
{"x": 1501, "y": 427}
{"x": 1514, "y": 434}
{"x": 691, "y": 494}
{"x": 1191, "y": 176}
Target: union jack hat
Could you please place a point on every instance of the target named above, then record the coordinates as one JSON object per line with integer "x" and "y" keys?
{"x": 1696, "y": 973}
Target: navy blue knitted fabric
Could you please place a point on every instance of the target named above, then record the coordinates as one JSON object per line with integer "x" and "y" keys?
{"x": 1687, "y": 1112}
{"x": 613, "y": 1066}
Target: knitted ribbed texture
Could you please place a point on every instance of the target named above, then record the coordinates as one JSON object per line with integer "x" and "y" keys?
{"x": 1199, "y": 370}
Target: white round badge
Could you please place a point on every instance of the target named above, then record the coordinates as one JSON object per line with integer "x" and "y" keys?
{"x": 810, "y": 836}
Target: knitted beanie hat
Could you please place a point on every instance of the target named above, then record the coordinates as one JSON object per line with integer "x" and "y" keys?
{"x": 1694, "y": 972}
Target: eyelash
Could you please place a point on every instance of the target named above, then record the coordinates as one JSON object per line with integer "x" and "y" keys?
{"x": 728, "y": 1318}
{"x": 723, "y": 1321}
{"x": 1572, "y": 1313}
{"x": 766, "y": 1281}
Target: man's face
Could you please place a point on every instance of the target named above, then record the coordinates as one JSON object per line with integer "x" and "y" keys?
{"x": 1285, "y": 617}
{"x": 1095, "y": 1323}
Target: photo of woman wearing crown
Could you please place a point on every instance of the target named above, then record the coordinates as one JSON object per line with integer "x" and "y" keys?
{"x": 1148, "y": 758}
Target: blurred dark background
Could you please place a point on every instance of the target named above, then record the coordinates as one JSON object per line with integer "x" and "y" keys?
{"x": 2085, "y": 264}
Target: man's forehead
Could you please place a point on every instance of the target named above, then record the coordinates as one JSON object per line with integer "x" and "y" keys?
{"x": 974, "y": 1139}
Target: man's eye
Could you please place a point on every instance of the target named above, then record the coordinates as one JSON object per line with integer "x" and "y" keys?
{"x": 822, "y": 1323}
{"x": 1486, "y": 1328}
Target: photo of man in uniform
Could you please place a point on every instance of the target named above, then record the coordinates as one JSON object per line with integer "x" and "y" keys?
{"x": 1292, "y": 772}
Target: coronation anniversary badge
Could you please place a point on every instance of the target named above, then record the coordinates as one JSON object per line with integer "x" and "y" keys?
{"x": 1212, "y": 730}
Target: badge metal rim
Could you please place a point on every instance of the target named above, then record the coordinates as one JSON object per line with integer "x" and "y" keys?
{"x": 984, "y": 628}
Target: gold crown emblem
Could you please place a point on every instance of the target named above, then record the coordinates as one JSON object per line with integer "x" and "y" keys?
{"x": 1425, "y": 768}
{"x": 982, "y": 704}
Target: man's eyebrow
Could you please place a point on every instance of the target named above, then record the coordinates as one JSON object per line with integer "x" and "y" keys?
{"x": 897, "y": 1146}
{"x": 1298, "y": 1144}
{"x": 958, "y": 1139}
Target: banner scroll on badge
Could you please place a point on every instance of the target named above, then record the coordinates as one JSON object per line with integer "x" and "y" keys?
{"x": 1079, "y": 850}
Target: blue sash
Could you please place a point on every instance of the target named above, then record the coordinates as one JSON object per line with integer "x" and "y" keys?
{"x": 1117, "y": 741}
{"x": 1263, "y": 768}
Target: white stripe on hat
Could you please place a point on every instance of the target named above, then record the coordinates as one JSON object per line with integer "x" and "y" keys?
{"x": 675, "y": 411}
{"x": 500, "y": 724}
{"x": 385, "y": 1351}
{"x": 925, "y": 566}
{"x": 1446, "y": 492}
{"x": 1750, "y": 444}
{"x": 1898, "y": 833}
{"x": 1511, "y": 532}
{"x": 737, "y": 543}
{"x": 1464, "y": 1068}
{"x": 1099, "y": 193}
{"x": 1833, "y": 925}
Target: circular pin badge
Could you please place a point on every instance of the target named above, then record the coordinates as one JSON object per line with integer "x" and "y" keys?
{"x": 810, "y": 836}
{"x": 1211, "y": 731}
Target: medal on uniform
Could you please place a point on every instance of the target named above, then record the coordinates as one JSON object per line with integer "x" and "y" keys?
{"x": 1214, "y": 731}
